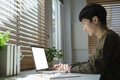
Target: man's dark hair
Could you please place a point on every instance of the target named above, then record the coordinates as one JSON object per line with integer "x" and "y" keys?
{"x": 91, "y": 10}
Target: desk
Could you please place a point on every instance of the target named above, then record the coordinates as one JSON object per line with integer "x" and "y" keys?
{"x": 82, "y": 77}
{"x": 31, "y": 75}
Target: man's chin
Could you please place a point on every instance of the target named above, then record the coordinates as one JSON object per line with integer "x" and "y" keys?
{"x": 90, "y": 34}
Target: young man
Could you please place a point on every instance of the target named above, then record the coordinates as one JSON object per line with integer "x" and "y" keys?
{"x": 106, "y": 59}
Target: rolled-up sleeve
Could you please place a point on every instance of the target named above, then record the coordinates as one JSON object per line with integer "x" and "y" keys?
{"x": 85, "y": 67}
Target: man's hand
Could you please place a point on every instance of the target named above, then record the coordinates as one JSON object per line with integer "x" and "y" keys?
{"x": 62, "y": 67}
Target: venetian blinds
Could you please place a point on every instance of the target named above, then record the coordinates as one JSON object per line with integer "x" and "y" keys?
{"x": 8, "y": 18}
{"x": 28, "y": 29}
{"x": 113, "y": 18}
{"x": 115, "y": 10}
{"x": 28, "y": 22}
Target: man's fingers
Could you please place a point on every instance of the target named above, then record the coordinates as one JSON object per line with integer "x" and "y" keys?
{"x": 62, "y": 67}
{"x": 56, "y": 66}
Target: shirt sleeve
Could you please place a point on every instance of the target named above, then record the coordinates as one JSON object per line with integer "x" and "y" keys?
{"x": 84, "y": 67}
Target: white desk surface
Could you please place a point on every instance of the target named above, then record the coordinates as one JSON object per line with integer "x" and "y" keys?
{"x": 34, "y": 76}
{"x": 82, "y": 77}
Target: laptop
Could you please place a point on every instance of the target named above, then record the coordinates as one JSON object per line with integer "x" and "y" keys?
{"x": 41, "y": 64}
{"x": 40, "y": 60}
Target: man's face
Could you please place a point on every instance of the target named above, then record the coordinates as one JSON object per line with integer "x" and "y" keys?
{"x": 89, "y": 27}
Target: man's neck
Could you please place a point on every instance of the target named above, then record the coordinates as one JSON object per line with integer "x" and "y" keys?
{"x": 100, "y": 33}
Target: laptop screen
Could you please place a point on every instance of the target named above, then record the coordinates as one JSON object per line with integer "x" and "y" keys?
{"x": 39, "y": 58}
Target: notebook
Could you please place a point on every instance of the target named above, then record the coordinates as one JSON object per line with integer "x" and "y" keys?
{"x": 40, "y": 60}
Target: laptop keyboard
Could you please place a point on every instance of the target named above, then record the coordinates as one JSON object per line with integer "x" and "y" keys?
{"x": 51, "y": 72}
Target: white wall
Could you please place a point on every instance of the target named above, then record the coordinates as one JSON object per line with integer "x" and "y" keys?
{"x": 79, "y": 37}
{"x": 67, "y": 33}
{"x": 74, "y": 33}
{"x": 50, "y": 41}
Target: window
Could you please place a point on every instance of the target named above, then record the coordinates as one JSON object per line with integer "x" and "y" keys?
{"x": 57, "y": 23}
{"x": 8, "y": 18}
{"x": 28, "y": 24}
{"x": 115, "y": 9}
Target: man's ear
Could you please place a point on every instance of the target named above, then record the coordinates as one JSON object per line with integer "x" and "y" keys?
{"x": 95, "y": 20}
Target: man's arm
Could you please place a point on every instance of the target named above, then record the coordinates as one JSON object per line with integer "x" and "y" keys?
{"x": 84, "y": 67}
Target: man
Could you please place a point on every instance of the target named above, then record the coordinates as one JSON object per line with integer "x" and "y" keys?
{"x": 106, "y": 59}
